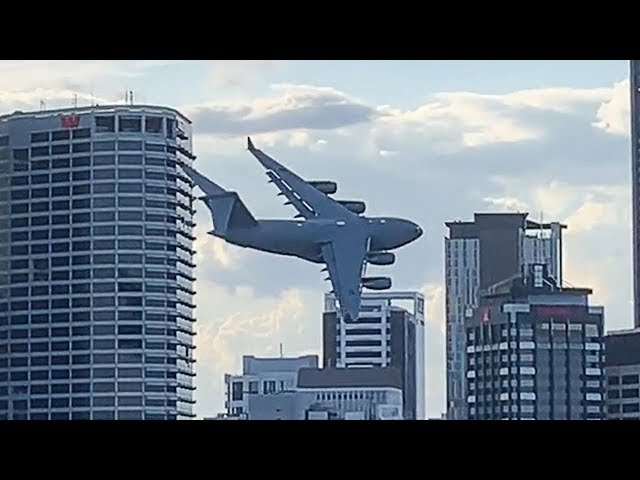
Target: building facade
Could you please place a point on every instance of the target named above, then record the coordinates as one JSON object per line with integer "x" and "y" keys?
{"x": 373, "y": 393}
{"x": 478, "y": 254}
{"x": 96, "y": 264}
{"x": 263, "y": 376}
{"x": 622, "y": 367}
{"x": 634, "y": 85}
{"x": 388, "y": 333}
{"x": 535, "y": 352}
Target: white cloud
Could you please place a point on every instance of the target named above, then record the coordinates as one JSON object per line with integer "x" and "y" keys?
{"x": 238, "y": 73}
{"x": 613, "y": 116}
{"x": 505, "y": 204}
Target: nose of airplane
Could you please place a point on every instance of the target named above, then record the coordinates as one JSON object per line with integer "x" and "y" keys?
{"x": 417, "y": 231}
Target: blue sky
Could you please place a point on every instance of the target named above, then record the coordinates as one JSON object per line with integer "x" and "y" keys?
{"x": 429, "y": 140}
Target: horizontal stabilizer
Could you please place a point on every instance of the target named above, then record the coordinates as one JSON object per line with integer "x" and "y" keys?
{"x": 206, "y": 185}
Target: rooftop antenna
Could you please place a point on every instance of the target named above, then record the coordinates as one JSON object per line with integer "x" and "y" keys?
{"x": 281, "y": 351}
{"x": 42, "y": 105}
{"x": 131, "y": 96}
{"x": 75, "y": 100}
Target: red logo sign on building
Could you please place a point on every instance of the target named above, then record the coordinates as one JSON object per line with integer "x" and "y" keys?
{"x": 486, "y": 318}
{"x": 69, "y": 121}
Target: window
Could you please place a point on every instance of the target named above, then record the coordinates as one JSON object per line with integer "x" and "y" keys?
{"x": 129, "y": 216}
{"x": 104, "y": 188}
{"x": 129, "y": 124}
{"x": 81, "y": 162}
{"x": 109, "y": 174}
{"x": 130, "y": 188}
{"x": 153, "y": 125}
{"x": 129, "y": 159}
{"x": 105, "y": 124}
{"x": 104, "y": 202}
{"x": 104, "y": 230}
{"x": 103, "y": 160}
{"x": 127, "y": 230}
{"x": 61, "y": 162}
{"x": 81, "y": 148}
{"x": 39, "y": 137}
{"x": 81, "y": 189}
{"x": 631, "y": 393}
{"x": 80, "y": 176}
{"x": 60, "y": 192}
{"x": 60, "y": 247}
{"x": 60, "y": 135}
{"x": 82, "y": 133}
{"x": 59, "y": 233}
{"x": 629, "y": 379}
{"x": 630, "y": 408}
{"x": 108, "y": 216}
{"x": 170, "y": 128}
{"x": 40, "y": 165}
{"x": 63, "y": 149}
{"x": 129, "y": 174}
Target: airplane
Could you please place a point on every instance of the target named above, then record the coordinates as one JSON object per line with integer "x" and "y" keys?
{"x": 325, "y": 231}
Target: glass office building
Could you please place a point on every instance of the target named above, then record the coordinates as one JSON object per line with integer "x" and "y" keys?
{"x": 96, "y": 264}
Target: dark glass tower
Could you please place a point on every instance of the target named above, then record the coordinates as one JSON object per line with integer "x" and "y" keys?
{"x": 96, "y": 279}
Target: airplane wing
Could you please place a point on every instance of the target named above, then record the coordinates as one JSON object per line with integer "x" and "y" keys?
{"x": 345, "y": 260}
{"x": 308, "y": 200}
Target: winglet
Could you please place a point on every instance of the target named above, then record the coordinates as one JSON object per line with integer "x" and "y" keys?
{"x": 250, "y": 144}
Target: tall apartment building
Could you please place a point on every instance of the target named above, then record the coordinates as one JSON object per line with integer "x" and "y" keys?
{"x": 388, "y": 333}
{"x": 492, "y": 248}
{"x": 622, "y": 368}
{"x": 96, "y": 259}
{"x": 535, "y": 352}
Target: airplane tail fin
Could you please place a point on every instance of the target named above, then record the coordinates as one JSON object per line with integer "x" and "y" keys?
{"x": 228, "y": 211}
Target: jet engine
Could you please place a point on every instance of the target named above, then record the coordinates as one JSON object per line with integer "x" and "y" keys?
{"x": 325, "y": 186}
{"x": 376, "y": 283}
{"x": 381, "y": 258}
{"x": 354, "y": 206}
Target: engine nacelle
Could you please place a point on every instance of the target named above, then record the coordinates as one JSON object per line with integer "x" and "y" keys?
{"x": 381, "y": 258}
{"x": 325, "y": 186}
{"x": 354, "y": 206}
{"x": 376, "y": 283}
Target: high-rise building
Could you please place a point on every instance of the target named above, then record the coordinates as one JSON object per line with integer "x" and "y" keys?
{"x": 492, "y": 248}
{"x": 96, "y": 259}
{"x": 388, "y": 333}
{"x": 535, "y": 352}
{"x": 622, "y": 368}
{"x": 635, "y": 183}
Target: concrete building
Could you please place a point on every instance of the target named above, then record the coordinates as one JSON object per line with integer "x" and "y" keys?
{"x": 622, "y": 368}
{"x": 96, "y": 259}
{"x": 389, "y": 333}
{"x": 535, "y": 352}
{"x": 334, "y": 394}
{"x": 478, "y": 254}
{"x": 263, "y": 376}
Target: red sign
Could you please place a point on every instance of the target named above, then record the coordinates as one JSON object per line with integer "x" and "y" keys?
{"x": 486, "y": 318}
{"x": 69, "y": 121}
{"x": 557, "y": 311}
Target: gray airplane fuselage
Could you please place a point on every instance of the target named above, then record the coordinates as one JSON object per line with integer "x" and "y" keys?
{"x": 304, "y": 238}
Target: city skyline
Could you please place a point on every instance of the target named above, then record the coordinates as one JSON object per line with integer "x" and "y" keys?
{"x": 548, "y": 137}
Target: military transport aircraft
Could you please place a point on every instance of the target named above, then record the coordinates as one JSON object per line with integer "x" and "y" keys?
{"x": 325, "y": 231}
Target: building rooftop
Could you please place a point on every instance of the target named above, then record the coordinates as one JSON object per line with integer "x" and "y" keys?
{"x": 622, "y": 348}
{"x": 88, "y": 109}
{"x": 253, "y": 365}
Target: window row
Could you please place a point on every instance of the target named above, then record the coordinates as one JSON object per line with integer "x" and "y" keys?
{"x": 75, "y": 402}
{"x": 97, "y": 231}
{"x": 86, "y": 274}
{"x": 97, "y": 174}
{"x": 88, "y": 188}
{"x": 66, "y": 374}
{"x": 87, "y": 245}
{"x": 58, "y": 135}
{"x": 86, "y": 302}
{"x": 98, "y": 387}
{"x": 85, "y": 359}
{"x": 76, "y": 345}
{"x": 86, "y": 203}
{"x": 86, "y": 316}
{"x": 97, "y": 217}
{"x": 85, "y": 288}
